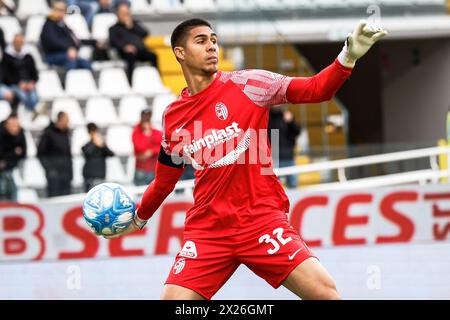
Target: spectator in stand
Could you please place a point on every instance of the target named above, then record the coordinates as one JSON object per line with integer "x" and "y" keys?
{"x": 283, "y": 120}
{"x": 88, "y": 8}
{"x": 95, "y": 153}
{"x": 146, "y": 142}
{"x": 7, "y": 94}
{"x": 2, "y": 41}
{"x": 13, "y": 148}
{"x": 106, "y": 6}
{"x": 59, "y": 43}
{"x": 21, "y": 75}
{"x": 55, "y": 156}
{"x": 127, "y": 36}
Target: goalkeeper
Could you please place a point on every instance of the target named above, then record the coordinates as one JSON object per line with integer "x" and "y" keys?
{"x": 239, "y": 214}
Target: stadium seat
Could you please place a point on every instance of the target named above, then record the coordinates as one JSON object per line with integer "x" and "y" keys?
{"x": 17, "y": 176}
{"x": 160, "y": 104}
{"x": 77, "y": 23}
{"x": 80, "y": 84}
{"x": 49, "y": 85}
{"x": 130, "y": 108}
{"x": 31, "y": 145}
{"x": 27, "y": 122}
{"x": 115, "y": 171}
{"x": 34, "y": 51}
{"x": 27, "y": 195}
{"x": 147, "y": 81}
{"x": 5, "y": 109}
{"x": 79, "y": 138}
{"x": 34, "y": 174}
{"x": 33, "y": 28}
{"x": 101, "y": 24}
{"x": 141, "y": 7}
{"x": 196, "y": 6}
{"x": 73, "y": 109}
{"x": 113, "y": 82}
{"x": 10, "y": 26}
{"x": 171, "y": 6}
{"x": 118, "y": 139}
{"x": 27, "y": 8}
{"x": 77, "y": 165}
{"x": 101, "y": 111}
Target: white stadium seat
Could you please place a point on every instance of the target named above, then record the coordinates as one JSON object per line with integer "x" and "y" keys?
{"x": 72, "y": 108}
{"x": 196, "y": 6}
{"x": 113, "y": 82}
{"x": 168, "y": 6}
{"x": 49, "y": 85}
{"x": 10, "y": 26}
{"x": 33, "y": 28}
{"x": 130, "y": 108}
{"x": 27, "y": 195}
{"x": 27, "y": 122}
{"x": 101, "y": 111}
{"x": 147, "y": 81}
{"x": 77, "y": 165}
{"x": 80, "y": 84}
{"x": 115, "y": 171}
{"x": 77, "y": 23}
{"x": 79, "y": 138}
{"x": 34, "y": 174}
{"x": 141, "y": 7}
{"x": 5, "y": 109}
{"x": 160, "y": 104}
{"x": 27, "y": 8}
{"x": 101, "y": 24}
{"x": 118, "y": 139}
{"x": 34, "y": 52}
{"x": 31, "y": 145}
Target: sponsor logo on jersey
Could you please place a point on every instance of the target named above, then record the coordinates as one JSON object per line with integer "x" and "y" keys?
{"x": 215, "y": 138}
{"x": 189, "y": 250}
{"x": 221, "y": 111}
{"x": 179, "y": 265}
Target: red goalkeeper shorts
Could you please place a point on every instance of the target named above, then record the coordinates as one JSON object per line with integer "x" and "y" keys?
{"x": 272, "y": 252}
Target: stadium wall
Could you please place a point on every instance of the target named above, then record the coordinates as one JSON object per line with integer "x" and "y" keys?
{"x": 415, "y": 90}
{"x": 382, "y": 243}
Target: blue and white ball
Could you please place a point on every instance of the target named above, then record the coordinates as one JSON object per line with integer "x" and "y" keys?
{"x": 108, "y": 208}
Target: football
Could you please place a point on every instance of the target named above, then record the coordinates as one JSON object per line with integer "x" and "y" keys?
{"x": 108, "y": 208}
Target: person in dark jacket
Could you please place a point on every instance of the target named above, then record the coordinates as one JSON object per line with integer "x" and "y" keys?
{"x": 55, "y": 156}
{"x": 127, "y": 36}
{"x": 20, "y": 73}
{"x": 95, "y": 153}
{"x": 59, "y": 43}
{"x": 283, "y": 120}
{"x": 13, "y": 148}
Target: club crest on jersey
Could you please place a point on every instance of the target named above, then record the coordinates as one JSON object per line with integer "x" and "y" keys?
{"x": 179, "y": 265}
{"x": 221, "y": 111}
{"x": 189, "y": 250}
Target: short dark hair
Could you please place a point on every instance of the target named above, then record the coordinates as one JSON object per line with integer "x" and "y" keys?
{"x": 179, "y": 33}
{"x": 60, "y": 115}
{"x": 91, "y": 127}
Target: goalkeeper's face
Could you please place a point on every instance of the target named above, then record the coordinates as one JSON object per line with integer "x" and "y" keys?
{"x": 200, "y": 54}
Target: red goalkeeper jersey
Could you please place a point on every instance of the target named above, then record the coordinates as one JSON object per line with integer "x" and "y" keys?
{"x": 222, "y": 132}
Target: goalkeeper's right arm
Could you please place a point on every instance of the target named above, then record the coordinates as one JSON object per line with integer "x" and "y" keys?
{"x": 167, "y": 174}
